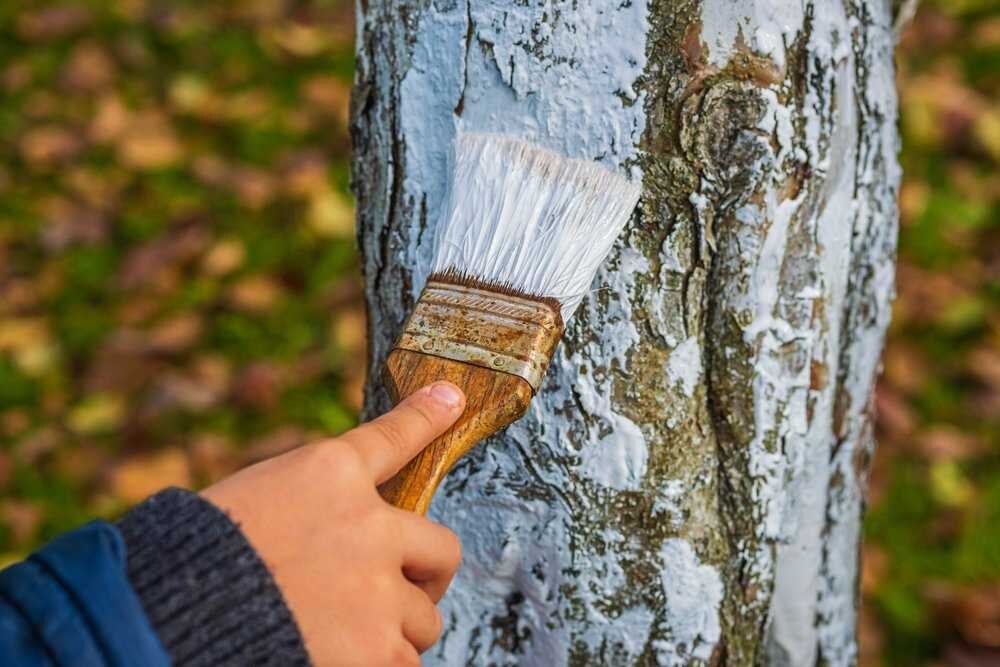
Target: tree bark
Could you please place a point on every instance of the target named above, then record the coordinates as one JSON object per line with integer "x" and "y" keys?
{"x": 687, "y": 488}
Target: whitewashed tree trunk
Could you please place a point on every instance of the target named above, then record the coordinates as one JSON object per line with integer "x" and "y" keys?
{"x": 688, "y": 486}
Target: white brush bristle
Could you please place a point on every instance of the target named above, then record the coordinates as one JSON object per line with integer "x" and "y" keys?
{"x": 528, "y": 219}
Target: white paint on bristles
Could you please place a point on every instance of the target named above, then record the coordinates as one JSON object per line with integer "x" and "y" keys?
{"x": 525, "y": 218}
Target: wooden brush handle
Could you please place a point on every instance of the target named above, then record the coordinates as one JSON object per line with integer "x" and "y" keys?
{"x": 493, "y": 400}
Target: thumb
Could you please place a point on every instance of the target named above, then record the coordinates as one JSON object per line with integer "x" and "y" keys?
{"x": 387, "y": 443}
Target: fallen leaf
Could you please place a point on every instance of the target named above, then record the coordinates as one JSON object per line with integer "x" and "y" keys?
{"x": 949, "y": 485}
{"x": 176, "y": 334}
{"x": 148, "y": 262}
{"x": 38, "y": 358}
{"x": 69, "y": 223}
{"x": 19, "y": 332}
{"x": 122, "y": 365}
{"x": 149, "y": 142}
{"x": 259, "y": 385}
{"x": 262, "y": 12}
{"x": 23, "y": 519}
{"x": 930, "y": 28}
{"x": 47, "y": 145}
{"x": 971, "y": 182}
{"x": 924, "y": 296}
{"x": 224, "y": 257}
{"x": 17, "y": 295}
{"x": 272, "y": 444}
{"x": 54, "y": 402}
{"x": 142, "y": 476}
{"x": 179, "y": 390}
{"x": 974, "y": 611}
{"x": 305, "y": 174}
{"x": 199, "y": 387}
{"x": 978, "y": 616}
{"x": 349, "y": 331}
{"x": 874, "y": 564}
{"x": 212, "y": 458}
{"x": 896, "y": 418}
{"x": 905, "y": 367}
{"x": 15, "y": 76}
{"x": 14, "y": 421}
{"x": 110, "y": 120}
{"x": 870, "y": 638}
{"x": 330, "y": 95}
{"x": 913, "y": 198}
{"x": 37, "y": 445}
{"x": 946, "y": 442}
{"x": 138, "y": 309}
{"x": 986, "y": 32}
{"x": 254, "y": 187}
{"x": 960, "y": 655}
{"x": 83, "y": 463}
{"x": 42, "y": 105}
{"x": 353, "y": 388}
{"x": 6, "y": 471}
{"x": 330, "y": 214}
{"x": 90, "y": 68}
{"x": 254, "y": 293}
{"x": 249, "y": 105}
{"x": 96, "y": 414}
{"x": 987, "y": 131}
{"x": 212, "y": 170}
{"x": 53, "y": 22}
{"x": 302, "y": 39}
{"x": 347, "y": 292}
{"x": 193, "y": 95}
{"x": 941, "y": 108}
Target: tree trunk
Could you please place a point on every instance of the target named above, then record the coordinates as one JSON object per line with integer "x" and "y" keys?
{"x": 687, "y": 488}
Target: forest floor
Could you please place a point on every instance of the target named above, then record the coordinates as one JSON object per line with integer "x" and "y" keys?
{"x": 180, "y": 292}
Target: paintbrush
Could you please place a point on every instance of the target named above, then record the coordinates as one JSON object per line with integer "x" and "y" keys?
{"x": 522, "y": 235}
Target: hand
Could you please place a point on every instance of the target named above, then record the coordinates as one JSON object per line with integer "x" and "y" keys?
{"x": 361, "y": 577}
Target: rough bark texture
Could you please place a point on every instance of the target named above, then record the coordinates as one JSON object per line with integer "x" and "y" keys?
{"x": 687, "y": 487}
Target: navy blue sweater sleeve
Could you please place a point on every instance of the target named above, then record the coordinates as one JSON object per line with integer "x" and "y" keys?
{"x": 71, "y": 603}
{"x": 205, "y": 589}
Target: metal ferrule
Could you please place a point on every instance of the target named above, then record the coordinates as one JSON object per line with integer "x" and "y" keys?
{"x": 498, "y": 331}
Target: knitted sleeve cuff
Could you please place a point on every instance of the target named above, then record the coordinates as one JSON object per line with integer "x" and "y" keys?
{"x": 205, "y": 590}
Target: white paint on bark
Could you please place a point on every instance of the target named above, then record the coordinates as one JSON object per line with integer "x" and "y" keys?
{"x": 542, "y": 582}
{"x": 790, "y": 456}
{"x": 668, "y": 502}
{"x": 871, "y": 287}
{"x": 556, "y": 73}
{"x": 562, "y": 75}
{"x": 684, "y": 365}
{"x": 614, "y": 454}
{"x": 799, "y": 557}
{"x": 766, "y": 27}
{"x": 693, "y": 592}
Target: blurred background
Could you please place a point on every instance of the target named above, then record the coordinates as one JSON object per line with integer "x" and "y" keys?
{"x": 180, "y": 296}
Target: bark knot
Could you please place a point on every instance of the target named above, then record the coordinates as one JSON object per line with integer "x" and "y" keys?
{"x": 720, "y": 135}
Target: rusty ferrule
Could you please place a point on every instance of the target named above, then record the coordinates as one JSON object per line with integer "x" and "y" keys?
{"x": 502, "y": 332}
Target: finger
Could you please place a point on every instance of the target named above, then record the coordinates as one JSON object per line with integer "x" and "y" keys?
{"x": 421, "y": 619}
{"x": 387, "y": 443}
{"x": 431, "y": 554}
